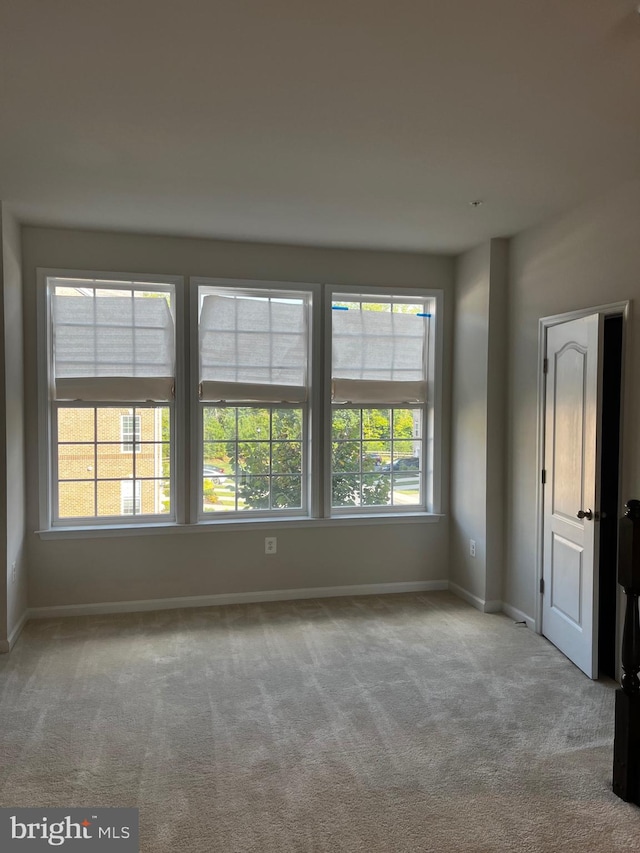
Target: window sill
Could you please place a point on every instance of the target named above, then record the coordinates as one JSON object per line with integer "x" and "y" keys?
{"x": 110, "y": 531}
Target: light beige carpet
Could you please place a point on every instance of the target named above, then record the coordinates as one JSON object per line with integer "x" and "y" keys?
{"x": 399, "y": 723}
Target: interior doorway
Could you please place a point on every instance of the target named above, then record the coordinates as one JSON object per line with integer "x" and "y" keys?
{"x": 610, "y": 510}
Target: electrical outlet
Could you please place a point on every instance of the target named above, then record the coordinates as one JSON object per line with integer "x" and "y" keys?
{"x": 472, "y": 547}
{"x": 13, "y": 572}
{"x": 270, "y": 545}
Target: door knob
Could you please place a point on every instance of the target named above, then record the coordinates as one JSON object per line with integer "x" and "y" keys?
{"x": 588, "y": 514}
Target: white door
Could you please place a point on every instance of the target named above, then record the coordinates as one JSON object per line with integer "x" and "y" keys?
{"x": 572, "y": 439}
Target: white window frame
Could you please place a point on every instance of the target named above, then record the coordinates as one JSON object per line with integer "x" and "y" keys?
{"x": 309, "y": 474}
{"x": 186, "y": 444}
{"x": 47, "y": 407}
{"x": 431, "y": 409}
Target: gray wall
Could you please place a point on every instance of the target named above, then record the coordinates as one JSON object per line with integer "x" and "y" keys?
{"x": 469, "y": 420}
{"x": 12, "y": 467}
{"x": 496, "y": 418}
{"x": 587, "y": 258}
{"x": 4, "y": 577}
{"x": 477, "y": 421}
{"x": 76, "y": 571}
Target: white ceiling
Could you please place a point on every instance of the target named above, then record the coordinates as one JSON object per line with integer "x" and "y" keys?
{"x": 326, "y": 122}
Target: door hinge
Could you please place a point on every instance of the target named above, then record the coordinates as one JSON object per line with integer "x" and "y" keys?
{"x": 541, "y": 586}
{"x": 545, "y": 365}
{"x": 544, "y": 476}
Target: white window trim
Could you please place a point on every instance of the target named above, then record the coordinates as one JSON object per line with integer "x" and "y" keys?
{"x": 267, "y": 524}
{"x": 185, "y": 487}
{"x": 46, "y": 432}
{"x": 197, "y": 516}
{"x": 432, "y": 425}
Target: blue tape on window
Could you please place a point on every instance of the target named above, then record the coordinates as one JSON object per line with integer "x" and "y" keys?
{"x": 339, "y": 308}
{"x": 423, "y": 315}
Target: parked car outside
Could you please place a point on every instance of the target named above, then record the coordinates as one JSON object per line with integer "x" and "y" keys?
{"x": 214, "y": 472}
{"x": 372, "y": 456}
{"x": 406, "y": 463}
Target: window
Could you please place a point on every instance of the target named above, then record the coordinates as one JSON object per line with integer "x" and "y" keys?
{"x": 254, "y": 400}
{"x": 129, "y": 432}
{"x": 110, "y": 399}
{"x": 297, "y": 407}
{"x": 379, "y": 384}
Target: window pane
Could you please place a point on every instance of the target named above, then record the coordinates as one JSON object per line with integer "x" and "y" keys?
{"x": 254, "y": 424}
{"x": 116, "y": 497}
{"x": 260, "y": 442}
{"x": 407, "y": 423}
{"x": 286, "y": 492}
{"x": 370, "y": 344}
{"x": 149, "y": 460}
{"x": 345, "y": 490}
{"x": 376, "y": 424}
{"x": 375, "y": 454}
{"x": 376, "y": 490}
{"x": 109, "y": 464}
{"x": 286, "y": 457}
{"x": 376, "y": 306}
{"x": 346, "y": 456}
{"x": 379, "y": 351}
{"x": 406, "y": 308}
{"x": 388, "y": 456}
{"x": 116, "y": 342}
{"x": 346, "y": 423}
{"x": 403, "y": 449}
{"x": 286, "y": 424}
{"x": 253, "y": 493}
{"x": 218, "y": 495}
{"x": 257, "y": 337}
{"x": 253, "y": 457}
{"x": 339, "y": 304}
{"x": 76, "y": 424}
{"x": 406, "y": 488}
{"x": 110, "y": 422}
{"x": 101, "y": 332}
{"x": 218, "y": 423}
{"x": 165, "y": 455}
{"x": 154, "y": 497}
{"x": 219, "y": 459}
{"x": 76, "y": 500}
{"x": 113, "y": 463}
{"x": 165, "y": 423}
{"x": 76, "y": 462}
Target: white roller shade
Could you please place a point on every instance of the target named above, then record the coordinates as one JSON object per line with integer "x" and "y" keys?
{"x": 253, "y": 349}
{"x": 378, "y": 357}
{"x": 112, "y": 348}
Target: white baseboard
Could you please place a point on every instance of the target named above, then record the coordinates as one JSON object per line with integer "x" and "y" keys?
{"x": 232, "y": 598}
{"x": 22, "y": 621}
{"x": 9, "y": 643}
{"x": 465, "y": 595}
{"x": 474, "y": 600}
{"x": 492, "y": 606}
{"x": 518, "y": 615}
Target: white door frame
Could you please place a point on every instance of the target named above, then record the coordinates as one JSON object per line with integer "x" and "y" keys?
{"x": 615, "y": 308}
